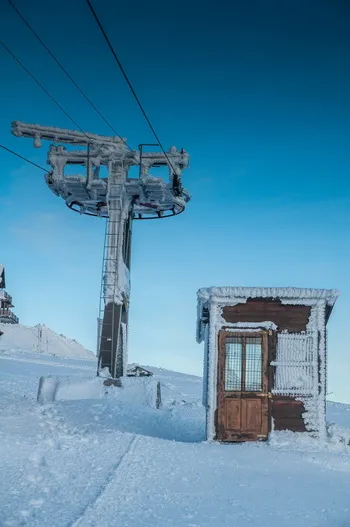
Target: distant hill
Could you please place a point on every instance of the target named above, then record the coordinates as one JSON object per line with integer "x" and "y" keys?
{"x": 41, "y": 339}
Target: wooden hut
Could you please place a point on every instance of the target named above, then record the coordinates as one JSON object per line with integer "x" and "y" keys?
{"x": 265, "y": 360}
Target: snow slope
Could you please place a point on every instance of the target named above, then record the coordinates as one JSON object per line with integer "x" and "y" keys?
{"x": 41, "y": 339}
{"x": 105, "y": 463}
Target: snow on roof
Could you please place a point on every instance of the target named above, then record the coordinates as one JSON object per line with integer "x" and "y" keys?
{"x": 233, "y": 295}
{"x": 225, "y": 294}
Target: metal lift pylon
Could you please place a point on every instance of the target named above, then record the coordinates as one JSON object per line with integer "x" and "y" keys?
{"x": 118, "y": 198}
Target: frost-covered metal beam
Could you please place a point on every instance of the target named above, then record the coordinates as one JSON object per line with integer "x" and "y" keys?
{"x": 102, "y": 148}
{"x": 51, "y": 133}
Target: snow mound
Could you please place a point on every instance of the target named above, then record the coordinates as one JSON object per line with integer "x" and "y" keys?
{"x": 40, "y": 339}
{"x": 134, "y": 391}
{"x": 338, "y": 418}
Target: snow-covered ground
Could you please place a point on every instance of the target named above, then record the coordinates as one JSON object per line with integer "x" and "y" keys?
{"x": 41, "y": 339}
{"x": 103, "y": 462}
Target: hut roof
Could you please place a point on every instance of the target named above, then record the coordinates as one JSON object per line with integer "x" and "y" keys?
{"x": 233, "y": 295}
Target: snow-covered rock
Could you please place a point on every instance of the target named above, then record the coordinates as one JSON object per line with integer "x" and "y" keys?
{"x": 41, "y": 339}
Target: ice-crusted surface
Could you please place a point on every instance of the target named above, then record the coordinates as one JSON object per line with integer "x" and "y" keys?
{"x": 88, "y": 193}
{"x": 296, "y": 364}
{"x": 249, "y": 325}
{"x": 116, "y": 277}
{"x": 105, "y": 462}
{"x": 53, "y": 133}
{"x": 125, "y": 346}
{"x": 212, "y": 364}
{"x": 330, "y": 295}
{"x": 301, "y": 369}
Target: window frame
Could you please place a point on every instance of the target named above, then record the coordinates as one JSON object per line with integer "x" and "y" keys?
{"x": 244, "y": 337}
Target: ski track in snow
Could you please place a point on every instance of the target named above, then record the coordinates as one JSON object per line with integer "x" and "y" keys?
{"x": 116, "y": 478}
{"x": 103, "y": 462}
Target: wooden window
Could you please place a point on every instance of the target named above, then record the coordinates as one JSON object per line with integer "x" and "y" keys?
{"x": 233, "y": 364}
{"x": 243, "y": 364}
{"x": 253, "y": 366}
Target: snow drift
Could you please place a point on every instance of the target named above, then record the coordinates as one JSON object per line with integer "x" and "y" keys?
{"x": 139, "y": 391}
{"x": 41, "y": 339}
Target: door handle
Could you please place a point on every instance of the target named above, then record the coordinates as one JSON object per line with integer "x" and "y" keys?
{"x": 268, "y": 395}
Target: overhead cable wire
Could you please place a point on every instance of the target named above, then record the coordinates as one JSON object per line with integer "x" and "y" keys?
{"x": 59, "y": 64}
{"x": 24, "y": 158}
{"x": 90, "y": 140}
{"x": 128, "y": 81}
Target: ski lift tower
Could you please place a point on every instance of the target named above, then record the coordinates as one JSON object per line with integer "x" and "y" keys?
{"x": 118, "y": 198}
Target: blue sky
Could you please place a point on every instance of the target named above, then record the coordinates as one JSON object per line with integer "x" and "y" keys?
{"x": 257, "y": 92}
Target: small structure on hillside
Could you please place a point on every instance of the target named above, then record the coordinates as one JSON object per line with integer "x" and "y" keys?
{"x": 265, "y": 360}
{"x": 135, "y": 370}
{"x": 6, "y": 315}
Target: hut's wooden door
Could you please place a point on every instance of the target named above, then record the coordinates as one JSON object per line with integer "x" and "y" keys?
{"x": 243, "y": 396}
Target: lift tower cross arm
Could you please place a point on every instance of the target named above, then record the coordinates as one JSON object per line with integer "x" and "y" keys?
{"x": 60, "y": 135}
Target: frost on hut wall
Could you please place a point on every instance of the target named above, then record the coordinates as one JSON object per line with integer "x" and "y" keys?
{"x": 297, "y": 362}
{"x": 300, "y": 368}
{"x": 296, "y": 365}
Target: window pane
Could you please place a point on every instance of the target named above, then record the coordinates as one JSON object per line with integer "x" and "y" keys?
{"x": 233, "y": 364}
{"x": 253, "y": 373}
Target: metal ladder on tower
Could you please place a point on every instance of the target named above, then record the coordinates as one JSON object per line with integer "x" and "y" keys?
{"x": 101, "y": 307}
{"x": 108, "y": 281}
